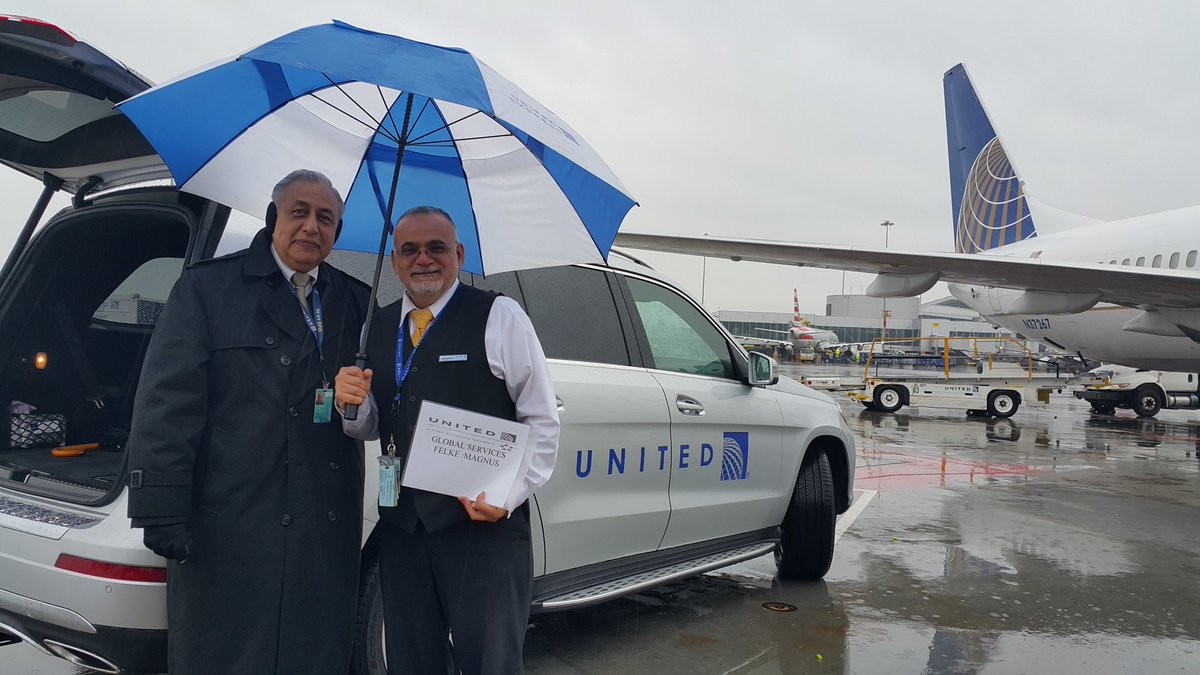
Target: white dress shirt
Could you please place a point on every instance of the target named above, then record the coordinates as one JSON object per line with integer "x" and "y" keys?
{"x": 514, "y": 355}
{"x": 288, "y": 272}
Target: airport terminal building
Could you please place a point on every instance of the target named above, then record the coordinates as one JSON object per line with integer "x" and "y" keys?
{"x": 860, "y": 318}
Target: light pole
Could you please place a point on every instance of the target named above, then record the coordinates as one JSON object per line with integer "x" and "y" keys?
{"x": 887, "y": 227}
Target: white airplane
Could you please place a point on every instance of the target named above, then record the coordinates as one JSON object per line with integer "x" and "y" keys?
{"x": 1124, "y": 291}
{"x": 801, "y": 334}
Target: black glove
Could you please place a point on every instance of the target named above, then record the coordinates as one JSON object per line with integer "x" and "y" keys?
{"x": 172, "y": 541}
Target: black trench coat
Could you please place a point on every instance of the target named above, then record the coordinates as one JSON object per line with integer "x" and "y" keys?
{"x": 223, "y": 434}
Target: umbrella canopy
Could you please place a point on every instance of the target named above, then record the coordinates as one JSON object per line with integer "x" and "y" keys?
{"x": 394, "y": 123}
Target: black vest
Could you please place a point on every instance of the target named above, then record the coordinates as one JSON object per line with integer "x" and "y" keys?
{"x": 467, "y": 384}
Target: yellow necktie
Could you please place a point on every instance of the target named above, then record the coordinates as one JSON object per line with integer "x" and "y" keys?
{"x": 421, "y": 318}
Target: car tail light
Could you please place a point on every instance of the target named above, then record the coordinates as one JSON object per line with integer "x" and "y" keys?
{"x": 23, "y": 25}
{"x": 108, "y": 570}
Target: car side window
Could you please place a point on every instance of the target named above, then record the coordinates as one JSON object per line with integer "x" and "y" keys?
{"x": 504, "y": 283}
{"x": 574, "y": 314}
{"x": 142, "y": 295}
{"x": 681, "y": 338}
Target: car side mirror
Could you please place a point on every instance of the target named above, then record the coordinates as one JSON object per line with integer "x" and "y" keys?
{"x": 763, "y": 370}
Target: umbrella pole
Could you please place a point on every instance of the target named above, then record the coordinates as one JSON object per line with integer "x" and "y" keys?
{"x": 360, "y": 359}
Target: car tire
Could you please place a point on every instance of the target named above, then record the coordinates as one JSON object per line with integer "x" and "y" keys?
{"x": 368, "y": 657}
{"x": 1146, "y": 402}
{"x": 888, "y": 399}
{"x": 1002, "y": 404}
{"x": 805, "y": 548}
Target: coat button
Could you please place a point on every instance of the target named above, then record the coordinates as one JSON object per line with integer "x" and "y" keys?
{"x": 293, "y": 412}
{"x": 333, "y": 466}
{"x": 412, "y": 398}
{"x": 269, "y": 340}
{"x": 285, "y": 520}
{"x": 416, "y": 368}
{"x": 331, "y": 516}
{"x": 412, "y": 428}
{"x": 285, "y": 360}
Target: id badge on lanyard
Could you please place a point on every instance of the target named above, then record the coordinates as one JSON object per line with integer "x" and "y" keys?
{"x": 323, "y": 396}
{"x": 388, "y": 462}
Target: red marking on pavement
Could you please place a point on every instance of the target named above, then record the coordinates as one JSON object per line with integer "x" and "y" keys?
{"x": 901, "y": 470}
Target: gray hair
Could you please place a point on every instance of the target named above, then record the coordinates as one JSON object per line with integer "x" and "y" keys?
{"x": 425, "y": 210}
{"x": 308, "y": 176}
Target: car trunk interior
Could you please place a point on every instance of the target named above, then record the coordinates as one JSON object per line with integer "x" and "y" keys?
{"x": 75, "y": 323}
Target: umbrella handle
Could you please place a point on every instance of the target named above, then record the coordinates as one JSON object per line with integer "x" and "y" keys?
{"x": 360, "y": 362}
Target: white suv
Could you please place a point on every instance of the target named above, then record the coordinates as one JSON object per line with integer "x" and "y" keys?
{"x": 680, "y": 453}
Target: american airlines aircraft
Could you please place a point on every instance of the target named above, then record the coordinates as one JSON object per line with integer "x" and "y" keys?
{"x": 1124, "y": 291}
{"x": 801, "y": 334}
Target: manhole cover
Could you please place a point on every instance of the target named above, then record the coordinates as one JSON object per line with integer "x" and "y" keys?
{"x": 779, "y": 607}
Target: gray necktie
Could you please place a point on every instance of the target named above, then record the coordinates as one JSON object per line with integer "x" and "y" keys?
{"x": 300, "y": 281}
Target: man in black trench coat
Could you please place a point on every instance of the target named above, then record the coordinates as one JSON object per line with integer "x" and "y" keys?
{"x": 236, "y": 477}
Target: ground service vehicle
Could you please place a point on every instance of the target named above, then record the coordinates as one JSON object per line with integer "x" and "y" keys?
{"x": 679, "y": 452}
{"x": 1145, "y": 392}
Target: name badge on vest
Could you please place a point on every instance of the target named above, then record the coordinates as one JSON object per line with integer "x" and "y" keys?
{"x": 452, "y": 358}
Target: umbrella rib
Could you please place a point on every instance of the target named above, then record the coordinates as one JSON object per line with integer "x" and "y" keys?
{"x": 450, "y": 143}
{"x": 388, "y": 114}
{"x": 447, "y": 125}
{"x": 376, "y": 125}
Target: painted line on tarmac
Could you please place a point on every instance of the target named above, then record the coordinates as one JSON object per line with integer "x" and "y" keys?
{"x": 853, "y": 513}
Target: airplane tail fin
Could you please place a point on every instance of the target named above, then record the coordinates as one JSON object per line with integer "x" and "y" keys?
{"x": 986, "y": 194}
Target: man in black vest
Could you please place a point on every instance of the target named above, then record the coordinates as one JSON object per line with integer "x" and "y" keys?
{"x": 452, "y": 566}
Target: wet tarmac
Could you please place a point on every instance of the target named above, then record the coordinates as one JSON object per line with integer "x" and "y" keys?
{"x": 1056, "y": 541}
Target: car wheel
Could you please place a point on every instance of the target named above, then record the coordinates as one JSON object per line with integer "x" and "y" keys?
{"x": 1002, "y": 404}
{"x": 1102, "y": 408}
{"x": 1145, "y": 402}
{"x": 805, "y": 549}
{"x": 888, "y": 399}
{"x": 368, "y": 658}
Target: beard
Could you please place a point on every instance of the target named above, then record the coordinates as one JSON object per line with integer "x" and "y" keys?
{"x": 426, "y": 286}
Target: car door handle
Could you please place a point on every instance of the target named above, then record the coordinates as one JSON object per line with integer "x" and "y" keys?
{"x": 558, "y": 404}
{"x": 688, "y": 405}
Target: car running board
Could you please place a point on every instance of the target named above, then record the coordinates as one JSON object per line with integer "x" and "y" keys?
{"x": 642, "y": 580}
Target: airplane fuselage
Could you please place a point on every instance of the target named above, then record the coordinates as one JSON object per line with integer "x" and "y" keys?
{"x": 1165, "y": 240}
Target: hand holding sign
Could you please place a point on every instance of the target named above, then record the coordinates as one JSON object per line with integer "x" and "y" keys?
{"x": 481, "y": 510}
{"x": 458, "y": 452}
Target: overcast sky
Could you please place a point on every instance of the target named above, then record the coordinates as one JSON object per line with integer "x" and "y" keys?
{"x": 799, "y": 121}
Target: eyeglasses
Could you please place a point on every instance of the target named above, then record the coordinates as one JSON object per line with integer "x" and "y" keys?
{"x": 433, "y": 249}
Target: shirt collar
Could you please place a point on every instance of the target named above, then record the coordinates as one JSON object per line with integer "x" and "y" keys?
{"x": 288, "y": 272}
{"x": 436, "y": 307}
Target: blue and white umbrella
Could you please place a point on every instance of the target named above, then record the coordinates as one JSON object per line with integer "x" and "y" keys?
{"x": 394, "y": 123}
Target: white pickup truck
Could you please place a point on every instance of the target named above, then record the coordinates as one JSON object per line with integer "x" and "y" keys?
{"x": 1145, "y": 392}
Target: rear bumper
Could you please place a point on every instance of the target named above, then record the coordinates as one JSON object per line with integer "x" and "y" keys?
{"x": 133, "y": 650}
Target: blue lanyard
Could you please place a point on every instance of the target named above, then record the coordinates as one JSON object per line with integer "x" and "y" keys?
{"x": 315, "y": 321}
{"x": 402, "y": 364}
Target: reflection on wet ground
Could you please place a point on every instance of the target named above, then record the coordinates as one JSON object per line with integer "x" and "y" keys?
{"x": 1054, "y": 541}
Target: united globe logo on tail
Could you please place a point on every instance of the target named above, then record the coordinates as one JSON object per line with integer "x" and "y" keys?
{"x": 993, "y": 211}
{"x": 987, "y": 196}
{"x": 735, "y": 455}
